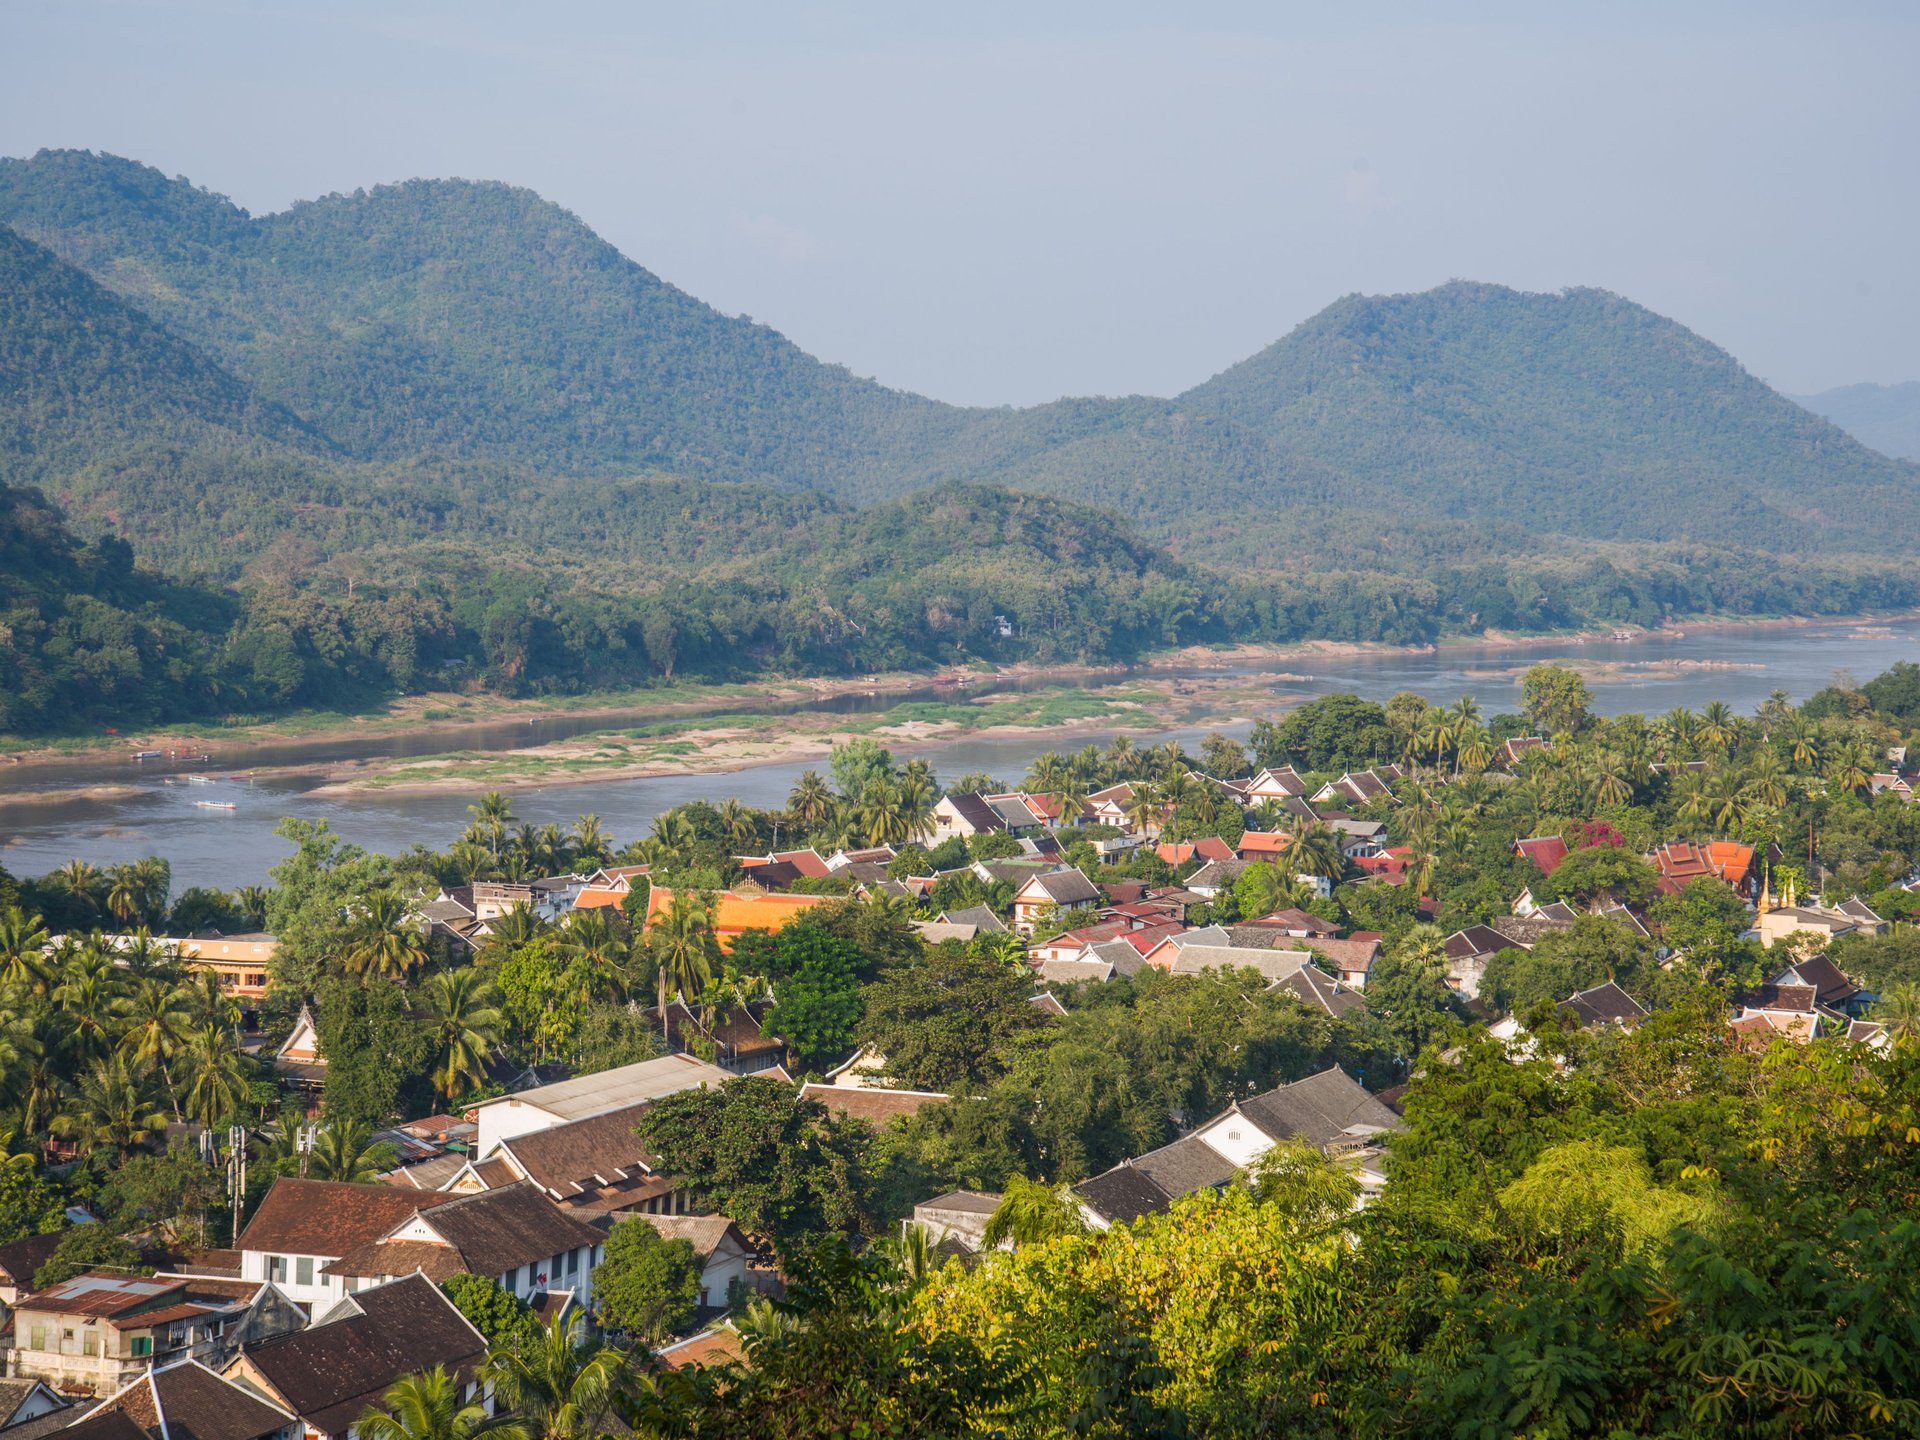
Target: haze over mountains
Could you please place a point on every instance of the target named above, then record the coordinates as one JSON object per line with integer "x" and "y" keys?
{"x": 1885, "y": 417}
{"x": 458, "y": 386}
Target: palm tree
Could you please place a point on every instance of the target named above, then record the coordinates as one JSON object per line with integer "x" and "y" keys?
{"x": 1047, "y": 773}
{"x": 1315, "y": 850}
{"x": 23, "y": 951}
{"x": 383, "y": 946}
{"x": 429, "y": 1407}
{"x": 1143, "y": 805}
{"x": 491, "y": 817}
{"x": 1690, "y": 796}
{"x": 1170, "y": 760}
{"x": 1032, "y": 1211}
{"x": 1764, "y": 781}
{"x": 738, "y": 821}
{"x": 811, "y": 800}
{"x": 882, "y": 817}
{"x": 1475, "y": 752}
{"x": 1716, "y": 727}
{"x": 1611, "y": 786}
{"x": 1435, "y": 734}
{"x": 1006, "y": 946}
{"x": 157, "y": 1016}
{"x": 40, "y": 1084}
{"x": 1851, "y": 769}
{"x": 124, "y": 894}
{"x": 462, "y": 1011}
{"x": 1122, "y": 756}
{"x": 88, "y": 996}
{"x": 917, "y": 794}
{"x": 342, "y": 1151}
{"x": 251, "y": 902}
{"x": 207, "y": 1001}
{"x": 597, "y": 938}
{"x": 83, "y": 882}
{"x": 518, "y": 927}
{"x": 560, "y": 1384}
{"x": 590, "y": 841}
{"x": 217, "y": 1078}
{"x": 684, "y": 947}
{"x": 1674, "y": 732}
{"x": 1899, "y": 1011}
{"x": 1726, "y": 801}
{"x": 113, "y": 1106}
{"x": 152, "y": 879}
{"x": 1803, "y": 741}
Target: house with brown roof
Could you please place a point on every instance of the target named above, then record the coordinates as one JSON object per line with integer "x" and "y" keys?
{"x": 99, "y": 1331}
{"x": 1178, "y": 852}
{"x": 1059, "y": 891}
{"x": 1468, "y": 952}
{"x": 1681, "y": 862}
{"x": 965, "y": 815}
{"x": 186, "y": 1401}
{"x": 1545, "y": 851}
{"x": 1514, "y": 752}
{"x": 24, "y": 1400}
{"x": 1282, "y": 784}
{"x": 333, "y": 1372}
{"x": 545, "y": 1106}
{"x": 302, "y": 1226}
{"x": 20, "y": 1261}
{"x": 1359, "y": 788}
{"x": 591, "y": 1167}
{"x": 513, "y": 1235}
{"x": 299, "y": 1058}
{"x": 878, "y": 1105}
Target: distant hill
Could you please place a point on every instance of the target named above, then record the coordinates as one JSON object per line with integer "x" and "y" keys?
{"x": 1884, "y": 417}
{"x": 476, "y": 322}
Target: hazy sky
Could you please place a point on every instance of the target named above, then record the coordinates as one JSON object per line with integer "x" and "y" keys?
{"x": 1011, "y": 203}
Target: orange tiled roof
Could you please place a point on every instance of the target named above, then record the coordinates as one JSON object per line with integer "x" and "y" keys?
{"x": 733, "y": 915}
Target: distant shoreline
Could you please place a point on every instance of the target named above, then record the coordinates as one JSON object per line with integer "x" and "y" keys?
{"x": 727, "y": 747}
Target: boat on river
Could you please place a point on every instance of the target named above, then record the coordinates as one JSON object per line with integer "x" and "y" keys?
{"x": 215, "y": 804}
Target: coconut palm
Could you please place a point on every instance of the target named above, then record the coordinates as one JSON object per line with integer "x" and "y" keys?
{"x": 113, "y": 1106}
{"x": 23, "y": 951}
{"x": 1047, "y": 773}
{"x": 684, "y": 948}
{"x": 83, "y": 883}
{"x": 590, "y": 841}
{"x": 1851, "y": 769}
{"x": 1726, "y": 801}
{"x": 1802, "y": 737}
{"x": 1122, "y": 756}
{"x": 461, "y": 1009}
{"x": 560, "y": 1384}
{"x": 207, "y": 1001}
{"x": 1475, "y": 751}
{"x": 595, "y": 937}
{"x": 38, "y": 1082}
{"x": 216, "y": 1077}
{"x": 743, "y": 829}
{"x": 491, "y": 817}
{"x": 917, "y": 796}
{"x": 1170, "y": 760}
{"x": 1435, "y": 735}
{"x": 143, "y": 955}
{"x": 124, "y": 894}
{"x": 343, "y": 1151}
{"x": 1610, "y": 783}
{"x": 383, "y": 944}
{"x": 811, "y": 800}
{"x": 1143, "y": 805}
{"x": 1765, "y": 782}
{"x": 251, "y": 902}
{"x": 88, "y": 996}
{"x": 1716, "y": 728}
{"x": 1006, "y": 946}
{"x": 1674, "y": 733}
{"x": 430, "y": 1406}
{"x": 1315, "y": 850}
{"x": 158, "y": 1020}
{"x": 882, "y": 816}
{"x": 1691, "y": 802}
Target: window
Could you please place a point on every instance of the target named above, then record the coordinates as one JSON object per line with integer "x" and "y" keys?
{"x": 353, "y": 1284}
{"x": 142, "y": 1346}
{"x": 305, "y": 1270}
{"x": 573, "y": 1263}
{"x": 89, "y": 1341}
{"x": 277, "y": 1269}
{"x": 37, "y": 1338}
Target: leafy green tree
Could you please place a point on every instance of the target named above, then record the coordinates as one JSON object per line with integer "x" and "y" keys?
{"x": 1599, "y": 871}
{"x": 502, "y": 1317}
{"x": 1555, "y": 699}
{"x": 377, "y": 1054}
{"x": 777, "y": 1165}
{"x": 1334, "y": 732}
{"x": 28, "y": 1205}
{"x": 950, "y": 1022}
{"x": 1031, "y": 1212}
{"x": 646, "y": 1285}
{"x": 83, "y": 1248}
{"x": 858, "y": 764}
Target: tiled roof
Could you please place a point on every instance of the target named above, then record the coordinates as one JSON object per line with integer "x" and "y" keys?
{"x": 1272, "y": 964}
{"x": 1065, "y": 887}
{"x": 977, "y": 813}
{"x": 878, "y": 1107}
{"x": 331, "y": 1372}
{"x": 1123, "y": 1194}
{"x": 1313, "y": 986}
{"x": 734, "y": 914}
{"x": 1186, "y": 1166}
{"x": 1047, "y": 1004}
{"x": 1476, "y": 940}
{"x": 19, "y": 1259}
{"x": 1545, "y": 851}
{"x": 1827, "y": 979}
{"x": 978, "y": 916}
{"x": 496, "y": 1230}
{"x": 1319, "y": 1109}
{"x": 328, "y": 1217}
{"x": 625, "y": 1085}
{"x": 190, "y": 1402}
{"x": 704, "y": 1232}
{"x": 1073, "y": 972}
{"x": 567, "y": 1160}
{"x": 1349, "y": 955}
{"x": 710, "y": 1347}
{"x": 1605, "y": 1004}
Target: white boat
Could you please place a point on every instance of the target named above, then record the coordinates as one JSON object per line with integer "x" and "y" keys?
{"x": 215, "y": 804}
{"x": 146, "y": 754}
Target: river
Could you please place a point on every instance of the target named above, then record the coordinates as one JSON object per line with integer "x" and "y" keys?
{"x": 229, "y": 848}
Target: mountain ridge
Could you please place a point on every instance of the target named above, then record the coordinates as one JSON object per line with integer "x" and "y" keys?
{"x": 475, "y": 320}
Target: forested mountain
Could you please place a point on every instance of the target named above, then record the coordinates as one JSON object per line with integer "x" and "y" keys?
{"x": 1885, "y": 417}
{"x": 477, "y": 321}
{"x": 443, "y": 422}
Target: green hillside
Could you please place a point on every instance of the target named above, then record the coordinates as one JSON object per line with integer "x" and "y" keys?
{"x": 477, "y": 322}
